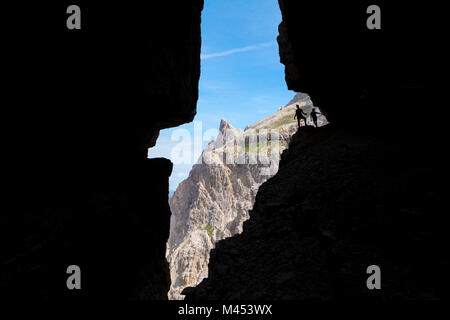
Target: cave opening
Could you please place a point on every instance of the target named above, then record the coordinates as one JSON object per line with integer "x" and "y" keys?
{"x": 242, "y": 97}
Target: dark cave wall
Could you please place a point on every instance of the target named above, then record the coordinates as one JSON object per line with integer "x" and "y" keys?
{"x": 329, "y": 53}
{"x": 82, "y": 107}
{"x": 366, "y": 189}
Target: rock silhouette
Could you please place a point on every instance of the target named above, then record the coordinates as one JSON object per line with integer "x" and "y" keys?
{"x": 83, "y": 106}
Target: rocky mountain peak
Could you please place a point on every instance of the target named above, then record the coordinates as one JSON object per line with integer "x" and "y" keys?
{"x": 298, "y": 98}
{"x": 226, "y": 128}
{"x": 224, "y": 125}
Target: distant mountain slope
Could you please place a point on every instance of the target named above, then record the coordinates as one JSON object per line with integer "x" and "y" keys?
{"x": 213, "y": 202}
{"x": 283, "y": 119}
{"x": 300, "y": 97}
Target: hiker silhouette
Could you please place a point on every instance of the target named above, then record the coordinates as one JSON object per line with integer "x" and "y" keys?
{"x": 313, "y": 115}
{"x": 299, "y": 114}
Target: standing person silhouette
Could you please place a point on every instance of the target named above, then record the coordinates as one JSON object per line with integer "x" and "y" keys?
{"x": 313, "y": 115}
{"x": 299, "y": 114}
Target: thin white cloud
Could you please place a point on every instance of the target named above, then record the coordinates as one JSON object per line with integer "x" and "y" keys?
{"x": 243, "y": 49}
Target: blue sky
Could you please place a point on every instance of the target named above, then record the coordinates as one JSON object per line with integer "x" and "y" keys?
{"x": 241, "y": 81}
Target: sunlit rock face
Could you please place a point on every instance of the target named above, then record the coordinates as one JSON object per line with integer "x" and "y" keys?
{"x": 213, "y": 202}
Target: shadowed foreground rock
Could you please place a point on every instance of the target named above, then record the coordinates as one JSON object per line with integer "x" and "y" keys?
{"x": 82, "y": 108}
{"x": 337, "y": 205}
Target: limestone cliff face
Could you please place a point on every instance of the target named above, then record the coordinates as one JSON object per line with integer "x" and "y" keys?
{"x": 213, "y": 202}
{"x": 209, "y": 206}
